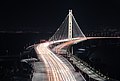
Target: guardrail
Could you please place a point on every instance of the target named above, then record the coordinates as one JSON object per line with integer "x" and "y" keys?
{"x": 91, "y": 72}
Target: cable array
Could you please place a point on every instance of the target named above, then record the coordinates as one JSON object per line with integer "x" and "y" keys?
{"x": 62, "y": 31}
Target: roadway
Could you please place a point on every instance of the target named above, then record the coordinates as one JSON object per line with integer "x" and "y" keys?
{"x": 56, "y": 69}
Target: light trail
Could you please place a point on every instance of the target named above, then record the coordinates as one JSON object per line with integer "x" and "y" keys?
{"x": 56, "y": 69}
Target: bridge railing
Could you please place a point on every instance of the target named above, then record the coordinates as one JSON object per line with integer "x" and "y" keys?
{"x": 93, "y": 73}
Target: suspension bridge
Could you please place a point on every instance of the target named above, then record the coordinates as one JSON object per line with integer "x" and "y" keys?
{"x": 57, "y": 67}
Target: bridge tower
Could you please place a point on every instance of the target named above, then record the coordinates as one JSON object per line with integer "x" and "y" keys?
{"x": 70, "y": 25}
{"x": 70, "y": 30}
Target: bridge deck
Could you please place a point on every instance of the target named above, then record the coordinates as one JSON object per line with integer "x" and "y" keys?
{"x": 57, "y": 67}
{"x": 40, "y": 73}
{"x": 77, "y": 75}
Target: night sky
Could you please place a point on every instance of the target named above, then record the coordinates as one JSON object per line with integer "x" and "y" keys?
{"x": 48, "y": 15}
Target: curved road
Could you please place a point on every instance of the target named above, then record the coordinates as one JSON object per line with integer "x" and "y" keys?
{"x": 56, "y": 68}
